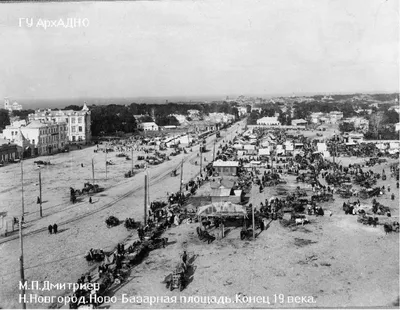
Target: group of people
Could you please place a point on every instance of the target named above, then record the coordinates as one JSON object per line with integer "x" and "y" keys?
{"x": 53, "y": 229}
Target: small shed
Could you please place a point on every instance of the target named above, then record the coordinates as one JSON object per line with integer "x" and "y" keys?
{"x": 227, "y": 168}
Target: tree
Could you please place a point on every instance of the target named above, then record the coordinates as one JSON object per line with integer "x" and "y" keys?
{"x": 4, "y": 118}
{"x": 391, "y": 117}
{"x": 346, "y": 127}
{"x": 375, "y": 123}
{"x": 146, "y": 118}
{"x": 23, "y": 114}
{"x": 253, "y": 117}
{"x": 169, "y": 120}
{"x": 111, "y": 119}
{"x": 73, "y": 107}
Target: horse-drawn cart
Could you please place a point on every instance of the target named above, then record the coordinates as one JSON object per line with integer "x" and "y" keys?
{"x": 176, "y": 279}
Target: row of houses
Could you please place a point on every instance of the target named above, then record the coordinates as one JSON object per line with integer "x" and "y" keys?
{"x": 78, "y": 123}
{"x": 37, "y": 137}
{"x": 326, "y": 118}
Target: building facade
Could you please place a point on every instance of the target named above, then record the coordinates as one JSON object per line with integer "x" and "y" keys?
{"x": 226, "y": 168}
{"x": 42, "y": 138}
{"x": 78, "y": 122}
{"x": 148, "y": 126}
{"x": 335, "y": 116}
{"x": 269, "y": 121}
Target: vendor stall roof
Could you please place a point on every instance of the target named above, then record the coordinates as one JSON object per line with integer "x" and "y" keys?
{"x": 222, "y": 208}
{"x": 263, "y": 152}
{"x": 220, "y": 163}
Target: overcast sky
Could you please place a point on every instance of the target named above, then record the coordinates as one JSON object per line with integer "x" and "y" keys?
{"x": 208, "y": 47}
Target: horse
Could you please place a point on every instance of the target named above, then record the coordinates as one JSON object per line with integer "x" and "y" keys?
{"x": 388, "y": 228}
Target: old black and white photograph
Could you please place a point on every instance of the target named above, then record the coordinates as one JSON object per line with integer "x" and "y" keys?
{"x": 199, "y": 154}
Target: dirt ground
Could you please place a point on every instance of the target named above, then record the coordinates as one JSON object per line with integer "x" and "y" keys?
{"x": 59, "y": 258}
{"x": 336, "y": 260}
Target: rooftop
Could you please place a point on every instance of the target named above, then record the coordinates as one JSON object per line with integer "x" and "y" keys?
{"x": 220, "y": 163}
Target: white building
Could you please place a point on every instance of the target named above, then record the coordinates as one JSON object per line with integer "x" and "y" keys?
{"x": 316, "y": 117}
{"x": 242, "y": 111}
{"x": 269, "y": 121}
{"x": 78, "y": 122}
{"x": 299, "y": 122}
{"x": 148, "y": 126}
{"x": 335, "y": 116}
{"x": 42, "y": 137}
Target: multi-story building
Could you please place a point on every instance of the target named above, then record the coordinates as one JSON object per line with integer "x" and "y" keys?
{"x": 335, "y": 116}
{"x": 40, "y": 137}
{"x": 11, "y": 106}
{"x": 78, "y": 122}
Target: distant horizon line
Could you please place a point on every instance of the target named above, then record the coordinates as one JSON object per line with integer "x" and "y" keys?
{"x": 197, "y": 97}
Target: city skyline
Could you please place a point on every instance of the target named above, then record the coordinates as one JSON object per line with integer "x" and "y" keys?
{"x": 200, "y": 49}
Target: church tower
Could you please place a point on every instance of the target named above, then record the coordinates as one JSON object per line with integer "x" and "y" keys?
{"x": 6, "y": 103}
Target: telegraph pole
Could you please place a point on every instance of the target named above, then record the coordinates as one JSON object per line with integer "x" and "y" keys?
{"x": 93, "y": 170}
{"x": 106, "y": 163}
{"x": 252, "y": 218}
{"x": 214, "y": 149}
{"x": 21, "y": 263}
{"x": 201, "y": 160}
{"x": 132, "y": 159}
{"x": 145, "y": 200}
{"x": 40, "y": 191}
{"x": 21, "y": 258}
{"x": 22, "y": 185}
{"x": 180, "y": 184}
{"x": 148, "y": 187}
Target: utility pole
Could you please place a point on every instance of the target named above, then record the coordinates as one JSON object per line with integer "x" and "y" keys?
{"x": 22, "y": 185}
{"x": 132, "y": 159}
{"x": 148, "y": 187}
{"x": 201, "y": 160}
{"x": 21, "y": 263}
{"x": 40, "y": 192}
{"x": 180, "y": 184}
{"x": 145, "y": 200}
{"x": 214, "y": 149}
{"x": 21, "y": 258}
{"x": 106, "y": 163}
{"x": 252, "y": 218}
{"x": 93, "y": 170}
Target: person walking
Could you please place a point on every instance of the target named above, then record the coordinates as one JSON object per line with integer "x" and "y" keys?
{"x": 184, "y": 260}
{"x": 50, "y": 228}
{"x": 90, "y": 199}
{"x": 55, "y": 227}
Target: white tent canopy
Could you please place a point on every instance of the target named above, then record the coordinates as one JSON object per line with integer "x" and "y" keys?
{"x": 222, "y": 208}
